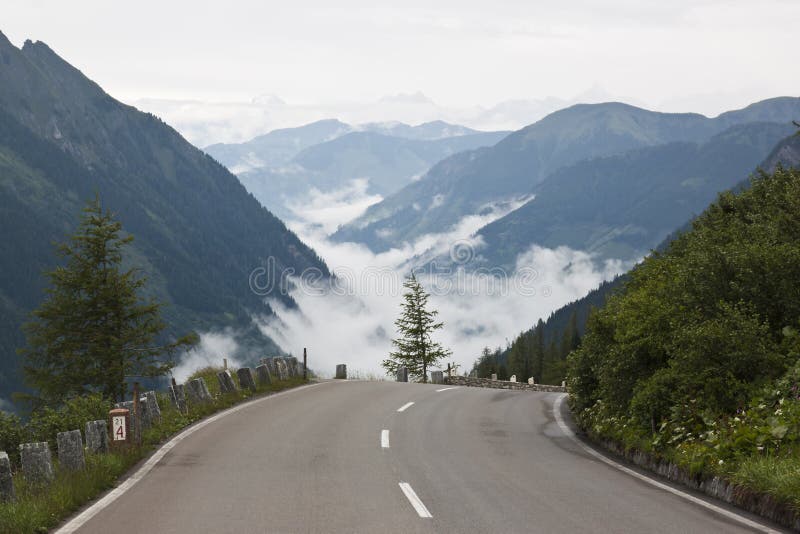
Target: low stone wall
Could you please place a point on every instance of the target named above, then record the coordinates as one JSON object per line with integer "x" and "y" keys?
{"x": 758, "y": 503}
{"x": 500, "y": 384}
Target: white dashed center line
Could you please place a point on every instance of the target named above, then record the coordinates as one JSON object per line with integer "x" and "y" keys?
{"x": 446, "y": 389}
{"x": 385, "y": 439}
{"x": 405, "y": 407}
{"x": 414, "y": 500}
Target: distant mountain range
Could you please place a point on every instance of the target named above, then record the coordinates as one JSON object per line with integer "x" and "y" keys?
{"x": 562, "y": 160}
{"x": 622, "y": 206}
{"x": 198, "y": 233}
{"x": 281, "y": 167}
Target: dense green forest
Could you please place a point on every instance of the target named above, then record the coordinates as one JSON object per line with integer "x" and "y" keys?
{"x": 696, "y": 357}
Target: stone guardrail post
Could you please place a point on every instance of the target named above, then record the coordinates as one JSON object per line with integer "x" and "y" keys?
{"x": 402, "y": 374}
{"x": 226, "y": 383}
{"x": 97, "y": 436}
{"x": 246, "y": 378}
{"x": 37, "y": 463}
{"x": 6, "y": 480}
{"x": 283, "y": 371}
{"x": 341, "y": 371}
{"x": 198, "y": 391}
{"x": 152, "y": 406}
{"x": 264, "y": 378}
{"x": 70, "y": 450}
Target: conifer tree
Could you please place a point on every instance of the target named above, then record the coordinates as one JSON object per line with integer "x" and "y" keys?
{"x": 95, "y": 327}
{"x": 415, "y": 349}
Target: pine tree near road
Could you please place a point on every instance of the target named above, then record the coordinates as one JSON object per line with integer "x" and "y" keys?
{"x": 415, "y": 349}
{"x": 95, "y": 327}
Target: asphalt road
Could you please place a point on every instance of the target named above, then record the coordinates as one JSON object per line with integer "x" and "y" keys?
{"x": 475, "y": 460}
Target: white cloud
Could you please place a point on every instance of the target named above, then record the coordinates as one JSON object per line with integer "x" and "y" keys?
{"x": 353, "y": 323}
{"x": 213, "y": 347}
{"x": 328, "y": 210}
{"x": 205, "y": 86}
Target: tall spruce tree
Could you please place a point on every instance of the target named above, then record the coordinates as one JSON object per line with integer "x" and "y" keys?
{"x": 95, "y": 327}
{"x": 415, "y": 349}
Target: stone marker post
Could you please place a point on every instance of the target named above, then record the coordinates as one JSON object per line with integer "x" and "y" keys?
{"x": 494, "y": 376}
{"x": 246, "y": 379}
{"x": 134, "y": 423}
{"x": 531, "y": 381}
{"x": 70, "y": 450}
{"x": 341, "y": 371}
{"x": 37, "y": 463}
{"x": 513, "y": 378}
{"x": 264, "y": 379}
{"x": 97, "y": 436}
{"x": 402, "y": 374}
{"x": 120, "y": 423}
{"x": 6, "y": 482}
{"x": 563, "y": 383}
{"x": 226, "y": 383}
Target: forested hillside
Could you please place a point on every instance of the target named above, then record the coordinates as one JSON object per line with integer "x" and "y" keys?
{"x": 198, "y": 233}
{"x": 559, "y": 325}
{"x": 698, "y": 356}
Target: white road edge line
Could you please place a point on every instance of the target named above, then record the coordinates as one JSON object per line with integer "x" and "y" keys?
{"x": 385, "y": 439}
{"x": 405, "y": 407}
{"x": 81, "y": 519}
{"x": 414, "y": 500}
{"x": 691, "y": 498}
{"x": 446, "y": 389}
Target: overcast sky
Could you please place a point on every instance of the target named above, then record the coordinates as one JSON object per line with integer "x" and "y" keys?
{"x": 676, "y": 55}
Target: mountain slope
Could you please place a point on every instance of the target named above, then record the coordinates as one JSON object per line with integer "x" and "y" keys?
{"x": 198, "y": 233}
{"x": 622, "y": 206}
{"x": 465, "y": 183}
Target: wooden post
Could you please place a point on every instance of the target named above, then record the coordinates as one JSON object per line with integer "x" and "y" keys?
{"x": 137, "y": 423}
{"x": 305, "y": 365}
{"x": 224, "y": 364}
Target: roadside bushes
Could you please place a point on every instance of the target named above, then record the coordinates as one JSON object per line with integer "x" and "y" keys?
{"x": 696, "y": 357}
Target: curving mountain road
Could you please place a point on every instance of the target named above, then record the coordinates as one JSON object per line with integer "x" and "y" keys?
{"x": 456, "y": 460}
